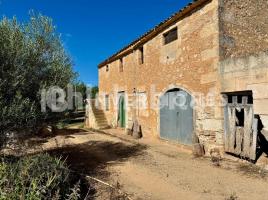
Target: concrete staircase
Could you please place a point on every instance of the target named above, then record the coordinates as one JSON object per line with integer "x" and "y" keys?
{"x": 95, "y": 117}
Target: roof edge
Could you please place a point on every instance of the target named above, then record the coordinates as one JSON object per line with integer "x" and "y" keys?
{"x": 154, "y": 31}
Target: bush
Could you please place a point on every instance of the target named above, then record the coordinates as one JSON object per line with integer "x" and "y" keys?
{"x": 36, "y": 177}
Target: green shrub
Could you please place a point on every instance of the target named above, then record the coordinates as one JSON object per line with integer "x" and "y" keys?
{"x": 36, "y": 177}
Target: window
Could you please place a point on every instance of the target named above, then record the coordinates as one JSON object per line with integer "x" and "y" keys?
{"x": 142, "y": 104}
{"x": 107, "y": 68}
{"x": 142, "y": 100}
{"x": 121, "y": 65}
{"x": 141, "y": 55}
{"x": 107, "y": 106}
{"x": 171, "y": 36}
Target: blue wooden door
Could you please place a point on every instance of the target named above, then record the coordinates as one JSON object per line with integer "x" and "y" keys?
{"x": 176, "y": 117}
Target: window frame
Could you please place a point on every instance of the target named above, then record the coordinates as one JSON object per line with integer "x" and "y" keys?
{"x": 121, "y": 65}
{"x": 141, "y": 55}
{"x": 107, "y": 68}
{"x": 168, "y": 37}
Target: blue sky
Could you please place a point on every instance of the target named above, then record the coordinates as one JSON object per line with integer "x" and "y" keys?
{"x": 94, "y": 30}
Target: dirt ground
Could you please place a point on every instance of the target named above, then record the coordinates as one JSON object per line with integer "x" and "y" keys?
{"x": 155, "y": 170}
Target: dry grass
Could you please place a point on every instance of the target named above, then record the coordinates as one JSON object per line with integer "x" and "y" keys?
{"x": 253, "y": 170}
{"x": 232, "y": 197}
{"x": 117, "y": 194}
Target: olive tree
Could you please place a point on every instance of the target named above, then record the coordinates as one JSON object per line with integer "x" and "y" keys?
{"x": 32, "y": 57}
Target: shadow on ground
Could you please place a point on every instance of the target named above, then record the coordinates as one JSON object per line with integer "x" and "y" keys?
{"x": 68, "y": 133}
{"x": 92, "y": 157}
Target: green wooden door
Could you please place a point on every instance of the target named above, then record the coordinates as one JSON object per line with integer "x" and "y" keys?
{"x": 122, "y": 112}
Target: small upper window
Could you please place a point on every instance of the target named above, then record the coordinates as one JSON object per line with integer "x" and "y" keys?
{"x": 141, "y": 55}
{"x": 171, "y": 36}
{"x": 121, "y": 65}
{"x": 107, "y": 68}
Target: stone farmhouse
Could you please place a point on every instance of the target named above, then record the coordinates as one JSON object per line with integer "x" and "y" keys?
{"x": 201, "y": 75}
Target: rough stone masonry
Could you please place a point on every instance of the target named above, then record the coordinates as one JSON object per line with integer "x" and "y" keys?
{"x": 219, "y": 51}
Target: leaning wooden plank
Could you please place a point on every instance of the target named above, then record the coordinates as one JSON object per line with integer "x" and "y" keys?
{"x": 254, "y": 140}
{"x": 232, "y": 131}
{"x": 226, "y": 128}
{"x": 248, "y": 131}
{"x": 239, "y": 139}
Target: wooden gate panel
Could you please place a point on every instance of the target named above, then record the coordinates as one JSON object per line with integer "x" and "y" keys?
{"x": 240, "y": 140}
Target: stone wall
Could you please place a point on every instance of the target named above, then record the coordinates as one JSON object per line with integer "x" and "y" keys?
{"x": 243, "y": 50}
{"x": 244, "y": 27}
{"x": 189, "y": 63}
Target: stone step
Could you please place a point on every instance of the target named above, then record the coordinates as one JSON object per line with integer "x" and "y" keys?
{"x": 102, "y": 122}
{"x": 99, "y": 114}
{"x": 100, "y": 118}
{"x": 98, "y": 111}
{"x": 102, "y": 125}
